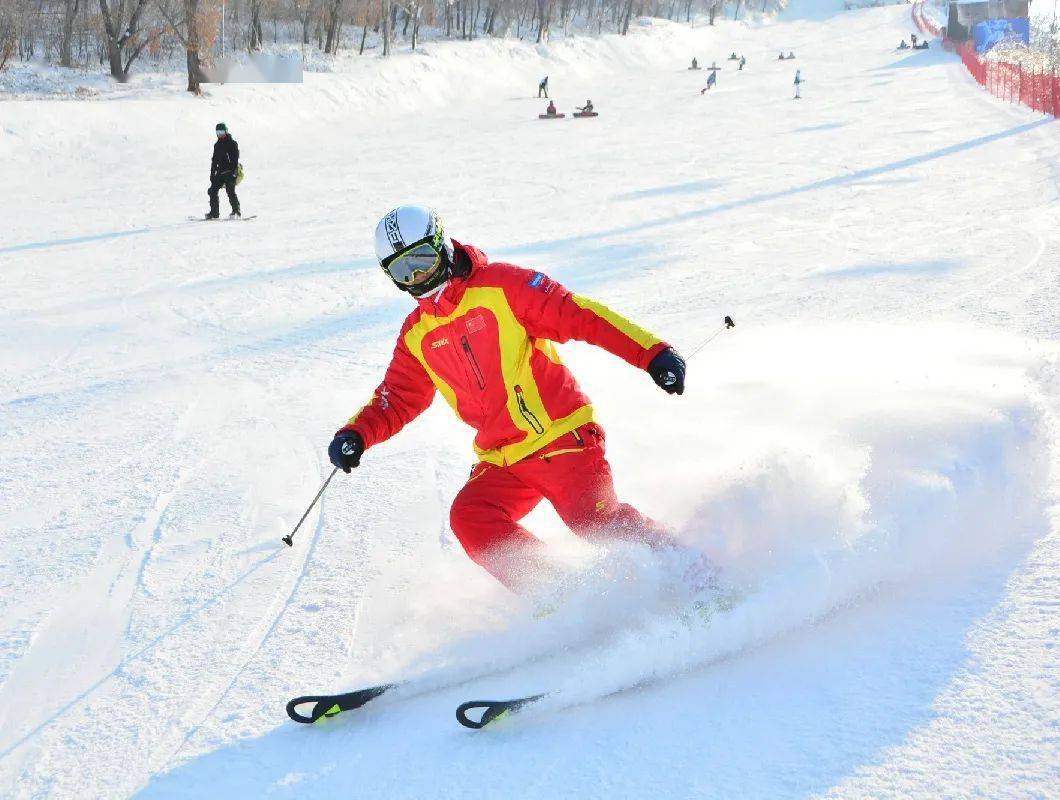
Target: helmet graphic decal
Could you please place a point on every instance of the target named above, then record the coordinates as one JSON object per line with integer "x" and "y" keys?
{"x": 393, "y": 231}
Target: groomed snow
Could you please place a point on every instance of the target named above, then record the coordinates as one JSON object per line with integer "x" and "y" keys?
{"x": 871, "y": 454}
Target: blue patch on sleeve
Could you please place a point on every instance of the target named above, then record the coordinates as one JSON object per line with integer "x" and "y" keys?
{"x": 536, "y": 280}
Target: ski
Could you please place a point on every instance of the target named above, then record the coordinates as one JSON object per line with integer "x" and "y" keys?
{"x": 700, "y": 614}
{"x": 329, "y": 705}
{"x": 493, "y": 710}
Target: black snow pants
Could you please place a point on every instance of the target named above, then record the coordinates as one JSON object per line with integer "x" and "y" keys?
{"x": 228, "y": 181}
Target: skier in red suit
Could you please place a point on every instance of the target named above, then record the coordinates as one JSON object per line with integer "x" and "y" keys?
{"x": 482, "y": 335}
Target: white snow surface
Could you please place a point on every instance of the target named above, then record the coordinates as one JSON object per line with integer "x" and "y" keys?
{"x": 870, "y": 455}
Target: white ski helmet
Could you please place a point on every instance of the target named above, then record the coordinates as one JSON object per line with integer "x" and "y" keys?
{"x": 413, "y": 250}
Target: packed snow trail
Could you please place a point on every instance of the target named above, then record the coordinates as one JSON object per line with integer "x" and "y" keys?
{"x": 872, "y": 451}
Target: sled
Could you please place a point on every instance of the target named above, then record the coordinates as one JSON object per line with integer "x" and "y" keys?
{"x": 692, "y": 68}
{"x": 585, "y": 114}
{"x": 551, "y": 116}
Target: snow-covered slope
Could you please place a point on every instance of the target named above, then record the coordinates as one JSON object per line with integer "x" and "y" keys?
{"x": 870, "y": 454}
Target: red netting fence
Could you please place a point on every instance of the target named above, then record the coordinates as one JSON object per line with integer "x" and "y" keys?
{"x": 1037, "y": 88}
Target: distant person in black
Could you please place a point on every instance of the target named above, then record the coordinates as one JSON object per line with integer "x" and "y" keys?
{"x": 223, "y": 170}
{"x": 695, "y": 63}
{"x": 912, "y": 38}
{"x": 542, "y": 88}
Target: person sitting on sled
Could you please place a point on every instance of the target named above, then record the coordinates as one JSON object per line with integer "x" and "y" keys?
{"x": 587, "y": 108}
{"x": 551, "y": 110}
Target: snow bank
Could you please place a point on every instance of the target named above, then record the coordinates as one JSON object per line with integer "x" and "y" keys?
{"x": 436, "y": 74}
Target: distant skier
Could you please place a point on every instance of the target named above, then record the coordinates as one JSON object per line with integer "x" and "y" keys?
{"x": 482, "y": 335}
{"x": 712, "y": 79}
{"x": 912, "y": 38}
{"x": 798, "y": 84}
{"x": 743, "y": 61}
{"x": 542, "y": 88}
{"x": 223, "y": 170}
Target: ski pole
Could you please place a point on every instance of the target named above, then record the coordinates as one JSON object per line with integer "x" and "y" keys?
{"x": 289, "y": 538}
{"x": 725, "y": 325}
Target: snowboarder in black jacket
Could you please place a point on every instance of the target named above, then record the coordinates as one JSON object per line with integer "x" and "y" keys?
{"x": 223, "y": 170}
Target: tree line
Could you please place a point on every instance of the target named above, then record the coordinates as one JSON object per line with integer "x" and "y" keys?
{"x": 116, "y": 34}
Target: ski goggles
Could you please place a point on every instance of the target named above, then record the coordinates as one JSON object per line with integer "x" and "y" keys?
{"x": 414, "y": 265}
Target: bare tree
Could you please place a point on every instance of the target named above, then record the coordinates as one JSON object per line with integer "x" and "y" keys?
{"x": 255, "y": 38}
{"x": 304, "y": 10}
{"x": 121, "y": 26}
{"x": 8, "y": 31}
{"x": 66, "y": 37}
{"x": 335, "y": 12}
{"x": 544, "y": 18}
{"x": 386, "y": 9}
{"x": 187, "y": 22}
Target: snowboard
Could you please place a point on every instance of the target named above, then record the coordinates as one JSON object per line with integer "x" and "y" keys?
{"x": 223, "y": 219}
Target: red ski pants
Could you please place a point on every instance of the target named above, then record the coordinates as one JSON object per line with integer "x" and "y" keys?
{"x": 573, "y": 475}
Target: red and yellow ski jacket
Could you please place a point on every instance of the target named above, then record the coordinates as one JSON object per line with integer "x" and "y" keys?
{"x": 486, "y": 343}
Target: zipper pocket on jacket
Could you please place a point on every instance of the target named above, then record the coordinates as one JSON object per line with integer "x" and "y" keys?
{"x": 527, "y": 414}
{"x": 470, "y": 354}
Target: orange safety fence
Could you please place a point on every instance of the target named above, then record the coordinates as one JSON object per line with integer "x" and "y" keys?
{"x": 1036, "y": 88}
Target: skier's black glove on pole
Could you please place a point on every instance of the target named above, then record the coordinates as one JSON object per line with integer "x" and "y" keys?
{"x": 667, "y": 369}
{"x": 346, "y": 449}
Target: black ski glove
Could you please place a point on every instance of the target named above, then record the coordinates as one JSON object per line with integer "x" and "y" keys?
{"x": 667, "y": 369}
{"x": 346, "y": 449}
